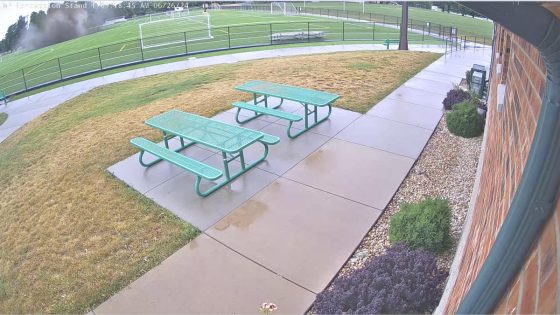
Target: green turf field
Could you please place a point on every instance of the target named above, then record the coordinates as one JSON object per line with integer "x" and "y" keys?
{"x": 121, "y": 43}
{"x": 466, "y": 25}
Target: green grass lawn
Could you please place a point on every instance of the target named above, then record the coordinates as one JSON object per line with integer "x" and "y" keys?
{"x": 121, "y": 44}
{"x": 3, "y": 117}
{"x": 466, "y": 25}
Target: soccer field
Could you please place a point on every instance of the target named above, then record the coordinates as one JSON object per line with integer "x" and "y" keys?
{"x": 121, "y": 43}
{"x": 466, "y": 25}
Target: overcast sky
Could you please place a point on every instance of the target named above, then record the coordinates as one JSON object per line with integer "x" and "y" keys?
{"x": 11, "y": 10}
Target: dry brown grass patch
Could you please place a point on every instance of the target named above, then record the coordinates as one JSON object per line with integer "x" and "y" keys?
{"x": 70, "y": 234}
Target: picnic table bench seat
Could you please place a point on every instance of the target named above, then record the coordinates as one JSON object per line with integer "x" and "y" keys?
{"x": 261, "y": 110}
{"x": 269, "y": 139}
{"x": 387, "y": 42}
{"x": 186, "y": 163}
{"x": 301, "y": 35}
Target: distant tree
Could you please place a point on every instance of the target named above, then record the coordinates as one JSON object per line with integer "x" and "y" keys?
{"x": 37, "y": 19}
{"x": 14, "y": 33}
{"x": 403, "y": 41}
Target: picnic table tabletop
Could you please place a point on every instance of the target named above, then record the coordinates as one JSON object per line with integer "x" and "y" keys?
{"x": 284, "y": 91}
{"x": 212, "y": 133}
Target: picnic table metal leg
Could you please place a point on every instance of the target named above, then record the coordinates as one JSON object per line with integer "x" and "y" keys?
{"x": 307, "y": 126}
{"x": 315, "y": 114}
{"x": 265, "y": 100}
{"x": 242, "y": 159}
{"x": 239, "y": 121}
{"x": 230, "y": 177}
{"x": 226, "y": 164}
{"x": 306, "y": 116}
{"x": 165, "y": 139}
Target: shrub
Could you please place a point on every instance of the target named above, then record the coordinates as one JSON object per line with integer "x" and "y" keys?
{"x": 468, "y": 76}
{"x": 464, "y": 120}
{"x": 400, "y": 281}
{"x": 455, "y": 96}
{"x": 425, "y": 224}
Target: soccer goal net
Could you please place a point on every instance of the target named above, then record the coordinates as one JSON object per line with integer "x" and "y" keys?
{"x": 176, "y": 28}
{"x": 176, "y": 13}
{"x": 283, "y": 8}
{"x": 244, "y": 6}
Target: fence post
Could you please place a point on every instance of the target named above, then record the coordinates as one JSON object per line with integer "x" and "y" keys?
{"x": 439, "y": 33}
{"x": 141, "y": 50}
{"x": 186, "y": 48}
{"x": 270, "y": 33}
{"x": 342, "y": 31}
{"x": 308, "y": 40}
{"x": 24, "y": 81}
{"x": 422, "y": 32}
{"x": 228, "y": 38}
{"x": 373, "y": 32}
{"x": 474, "y": 41}
{"x": 99, "y": 55}
{"x": 484, "y": 40}
{"x": 59, "y": 68}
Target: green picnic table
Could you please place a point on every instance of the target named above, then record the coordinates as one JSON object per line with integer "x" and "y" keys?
{"x": 228, "y": 139}
{"x": 311, "y": 100}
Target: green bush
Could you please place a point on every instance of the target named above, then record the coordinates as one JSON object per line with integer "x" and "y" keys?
{"x": 425, "y": 224}
{"x": 464, "y": 121}
{"x": 468, "y": 76}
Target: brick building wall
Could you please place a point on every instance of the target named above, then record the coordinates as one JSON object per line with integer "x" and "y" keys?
{"x": 535, "y": 288}
{"x": 508, "y": 139}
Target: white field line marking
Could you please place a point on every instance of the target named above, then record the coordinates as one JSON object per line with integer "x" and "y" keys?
{"x": 38, "y": 57}
{"x": 123, "y": 46}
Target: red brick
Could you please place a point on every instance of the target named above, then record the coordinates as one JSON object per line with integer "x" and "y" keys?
{"x": 547, "y": 247}
{"x": 548, "y": 294}
{"x": 530, "y": 285}
{"x": 511, "y": 305}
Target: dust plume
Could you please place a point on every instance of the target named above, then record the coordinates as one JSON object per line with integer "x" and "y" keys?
{"x": 59, "y": 25}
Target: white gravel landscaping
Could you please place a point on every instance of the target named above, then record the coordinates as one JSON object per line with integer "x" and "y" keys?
{"x": 446, "y": 168}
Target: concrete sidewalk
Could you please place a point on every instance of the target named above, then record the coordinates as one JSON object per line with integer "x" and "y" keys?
{"x": 26, "y": 109}
{"x": 282, "y": 231}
